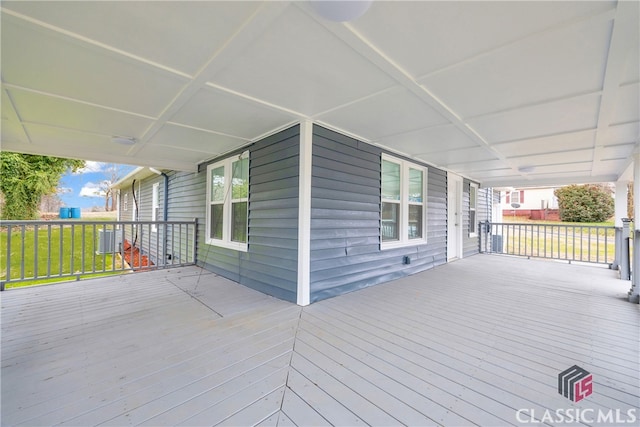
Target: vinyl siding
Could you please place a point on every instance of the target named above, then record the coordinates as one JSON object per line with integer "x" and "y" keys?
{"x": 471, "y": 244}
{"x": 345, "y": 219}
{"x": 271, "y": 263}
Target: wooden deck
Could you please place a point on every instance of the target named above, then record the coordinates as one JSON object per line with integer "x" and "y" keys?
{"x": 468, "y": 343}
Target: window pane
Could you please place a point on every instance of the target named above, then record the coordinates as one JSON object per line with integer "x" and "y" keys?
{"x": 240, "y": 179}
{"x": 472, "y": 221}
{"x": 390, "y": 214}
{"x": 472, "y": 197}
{"x": 415, "y": 221}
{"x": 216, "y": 222}
{"x": 416, "y": 187}
{"x": 390, "y": 180}
{"x": 239, "y": 224}
{"x": 217, "y": 184}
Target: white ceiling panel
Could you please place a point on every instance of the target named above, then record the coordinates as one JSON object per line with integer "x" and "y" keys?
{"x": 567, "y": 115}
{"x": 43, "y": 60}
{"x": 299, "y": 65}
{"x": 13, "y": 133}
{"x": 426, "y": 36}
{"x": 628, "y": 104}
{"x": 401, "y": 109}
{"x": 551, "y": 65}
{"x": 445, "y": 158}
{"x": 207, "y": 143}
{"x": 433, "y": 139}
{"x": 564, "y": 158}
{"x": 628, "y": 132}
{"x": 41, "y": 109}
{"x": 617, "y": 152}
{"x": 550, "y": 144}
{"x": 169, "y": 33}
{"x": 219, "y": 111}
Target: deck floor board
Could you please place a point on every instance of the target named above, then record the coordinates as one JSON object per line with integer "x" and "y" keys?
{"x": 467, "y": 343}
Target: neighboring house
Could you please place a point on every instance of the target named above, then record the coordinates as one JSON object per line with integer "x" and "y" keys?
{"x": 531, "y": 203}
{"x": 355, "y": 216}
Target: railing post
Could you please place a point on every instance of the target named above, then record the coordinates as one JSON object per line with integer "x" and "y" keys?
{"x": 615, "y": 265}
{"x": 625, "y": 267}
{"x": 634, "y": 292}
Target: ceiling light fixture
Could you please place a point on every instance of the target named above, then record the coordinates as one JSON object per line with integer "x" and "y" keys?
{"x": 526, "y": 169}
{"x": 124, "y": 140}
{"x": 340, "y": 10}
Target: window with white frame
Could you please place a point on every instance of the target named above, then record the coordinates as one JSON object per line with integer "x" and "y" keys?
{"x": 473, "y": 203}
{"x": 154, "y": 206}
{"x": 515, "y": 197}
{"x": 228, "y": 202}
{"x": 403, "y": 196}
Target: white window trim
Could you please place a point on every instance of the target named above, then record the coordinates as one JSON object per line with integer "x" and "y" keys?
{"x": 125, "y": 203}
{"x": 475, "y": 209}
{"x": 226, "y": 241}
{"x": 154, "y": 206}
{"x": 404, "y": 240}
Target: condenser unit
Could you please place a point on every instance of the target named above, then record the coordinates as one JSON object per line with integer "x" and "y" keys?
{"x": 107, "y": 241}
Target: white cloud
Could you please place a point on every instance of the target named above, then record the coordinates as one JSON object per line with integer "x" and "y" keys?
{"x": 64, "y": 190}
{"x": 92, "y": 167}
{"x": 91, "y": 189}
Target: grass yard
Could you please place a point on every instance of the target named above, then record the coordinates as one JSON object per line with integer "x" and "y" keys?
{"x": 588, "y": 242}
{"x": 62, "y": 251}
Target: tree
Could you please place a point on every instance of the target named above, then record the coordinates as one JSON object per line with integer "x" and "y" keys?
{"x": 25, "y": 178}
{"x": 585, "y": 203}
{"x": 112, "y": 174}
{"x": 630, "y": 195}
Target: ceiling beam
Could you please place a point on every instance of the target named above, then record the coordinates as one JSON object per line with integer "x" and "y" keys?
{"x": 253, "y": 27}
{"x": 624, "y": 29}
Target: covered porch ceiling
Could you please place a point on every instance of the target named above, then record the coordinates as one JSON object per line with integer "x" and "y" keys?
{"x": 505, "y": 93}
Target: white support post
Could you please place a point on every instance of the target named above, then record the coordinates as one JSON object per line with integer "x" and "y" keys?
{"x": 304, "y": 214}
{"x": 620, "y": 212}
{"x": 634, "y": 293}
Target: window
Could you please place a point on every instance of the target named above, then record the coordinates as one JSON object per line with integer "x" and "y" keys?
{"x": 125, "y": 202}
{"x": 473, "y": 203}
{"x": 154, "y": 206}
{"x": 228, "y": 202}
{"x": 403, "y": 203}
{"x": 515, "y": 197}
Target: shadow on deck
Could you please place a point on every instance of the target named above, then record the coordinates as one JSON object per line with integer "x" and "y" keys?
{"x": 478, "y": 341}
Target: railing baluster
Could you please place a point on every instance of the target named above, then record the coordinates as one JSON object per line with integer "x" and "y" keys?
{"x": 35, "y": 247}
{"x": 22, "y": 233}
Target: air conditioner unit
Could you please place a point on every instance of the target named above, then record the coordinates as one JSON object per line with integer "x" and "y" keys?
{"x": 106, "y": 241}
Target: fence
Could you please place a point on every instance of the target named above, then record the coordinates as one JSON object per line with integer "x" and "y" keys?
{"x": 44, "y": 251}
{"x": 595, "y": 244}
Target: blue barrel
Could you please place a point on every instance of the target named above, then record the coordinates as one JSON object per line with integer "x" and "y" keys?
{"x": 64, "y": 213}
{"x": 75, "y": 212}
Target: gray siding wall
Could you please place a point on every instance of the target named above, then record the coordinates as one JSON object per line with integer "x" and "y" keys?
{"x": 471, "y": 245}
{"x": 345, "y": 219}
{"x": 148, "y": 241}
{"x": 271, "y": 263}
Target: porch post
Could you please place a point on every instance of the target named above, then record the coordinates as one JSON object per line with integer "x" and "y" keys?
{"x": 620, "y": 212}
{"x": 304, "y": 214}
{"x": 634, "y": 292}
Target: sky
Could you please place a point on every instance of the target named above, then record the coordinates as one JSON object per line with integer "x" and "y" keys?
{"x": 83, "y": 189}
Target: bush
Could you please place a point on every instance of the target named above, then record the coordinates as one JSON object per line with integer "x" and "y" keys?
{"x": 585, "y": 203}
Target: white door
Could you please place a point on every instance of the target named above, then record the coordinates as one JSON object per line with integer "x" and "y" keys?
{"x": 454, "y": 216}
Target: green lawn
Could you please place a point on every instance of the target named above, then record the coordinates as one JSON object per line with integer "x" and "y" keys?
{"x": 76, "y": 258}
